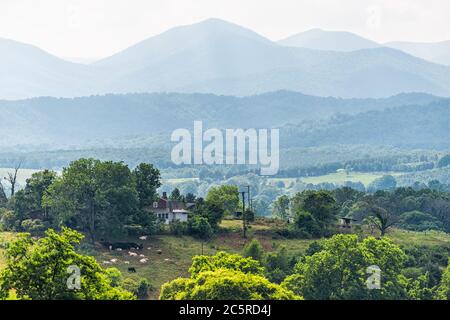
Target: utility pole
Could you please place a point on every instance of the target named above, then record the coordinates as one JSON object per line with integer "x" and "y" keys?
{"x": 244, "y": 220}
{"x": 248, "y": 194}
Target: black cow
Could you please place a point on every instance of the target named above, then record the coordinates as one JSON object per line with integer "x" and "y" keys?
{"x": 123, "y": 245}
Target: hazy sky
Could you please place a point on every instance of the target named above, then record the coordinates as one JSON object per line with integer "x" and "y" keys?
{"x": 98, "y": 28}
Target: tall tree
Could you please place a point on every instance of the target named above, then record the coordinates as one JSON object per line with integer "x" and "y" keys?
{"x": 12, "y": 178}
{"x": 226, "y": 197}
{"x": 98, "y": 197}
{"x": 280, "y": 207}
{"x": 147, "y": 182}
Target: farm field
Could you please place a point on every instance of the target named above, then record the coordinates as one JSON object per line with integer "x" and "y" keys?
{"x": 339, "y": 177}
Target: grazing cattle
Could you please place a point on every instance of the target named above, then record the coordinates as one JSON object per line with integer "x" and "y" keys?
{"x": 106, "y": 262}
{"x": 166, "y": 259}
{"x": 113, "y": 260}
{"x": 145, "y": 260}
{"x": 159, "y": 251}
{"x": 126, "y": 262}
{"x": 132, "y": 270}
{"x": 132, "y": 254}
{"x": 142, "y": 256}
{"x": 143, "y": 238}
{"x": 119, "y": 249}
{"x": 123, "y": 245}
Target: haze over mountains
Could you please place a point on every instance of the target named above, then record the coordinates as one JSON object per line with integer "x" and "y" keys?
{"x": 218, "y": 57}
{"x": 438, "y": 52}
{"x": 319, "y": 39}
{"x": 88, "y": 121}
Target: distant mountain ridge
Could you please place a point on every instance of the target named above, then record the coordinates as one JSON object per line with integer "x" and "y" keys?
{"x": 218, "y": 57}
{"x": 319, "y": 39}
{"x": 437, "y": 52}
{"x": 57, "y": 123}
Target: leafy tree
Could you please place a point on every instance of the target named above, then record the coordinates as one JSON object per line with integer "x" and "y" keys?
{"x": 280, "y": 208}
{"x": 307, "y": 224}
{"x": 386, "y": 182}
{"x": 190, "y": 198}
{"x": 254, "y": 250}
{"x": 278, "y": 265}
{"x": 420, "y": 288}
{"x": 94, "y": 196}
{"x": 175, "y": 195}
{"x": 444, "y": 288}
{"x": 147, "y": 179}
{"x": 419, "y": 221}
{"x": 339, "y": 270}
{"x": 138, "y": 288}
{"x": 199, "y": 227}
{"x": 381, "y": 219}
{"x": 247, "y": 218}
{"x": 225, "y": 284}
{"x": 38, "y": 269}
{"x": 211, "y": 211}
{"x": 28, "y": 201}
{"x": 223, "y": 260}
{"x": 3, "y": 197}
{"x": 322, "y": 207}
{"x": 225, "y": 197}
{"x": 224, "y": 276}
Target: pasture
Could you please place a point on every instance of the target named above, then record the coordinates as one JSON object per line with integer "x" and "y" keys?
{"x": 169, "y": 257}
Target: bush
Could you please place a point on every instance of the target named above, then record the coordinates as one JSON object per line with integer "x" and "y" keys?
{"x": 178, "y": 228}
{"x": 254, "y": 250}
{"x": 8, "y": 220}
{"x": 139, "y": 288}
{"x": 35, "y": 226}
{"x": 307, "y": 224}
{"x": 419, "y": 221}
{"x": 199, "y": 227}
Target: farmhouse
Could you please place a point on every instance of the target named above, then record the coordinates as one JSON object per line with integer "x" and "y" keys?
{"x": 171, "y": 210}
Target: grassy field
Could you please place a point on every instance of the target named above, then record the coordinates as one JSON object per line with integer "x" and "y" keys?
{"x": 339, "y": 177}
{"x": 177, "y": 252}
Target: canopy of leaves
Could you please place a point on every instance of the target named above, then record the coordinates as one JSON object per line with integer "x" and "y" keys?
{"x": 339, "y": 270}
{"x": 38, "y": 270}
{"x": 223, "y": 260}
{"x": 225, "y": 284}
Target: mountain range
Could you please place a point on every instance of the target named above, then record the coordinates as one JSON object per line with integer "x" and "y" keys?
{"x": 218, "y": 57}
{"x": 147, "y": 120}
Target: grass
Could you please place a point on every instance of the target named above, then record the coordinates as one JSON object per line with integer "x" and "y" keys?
{"x": 339, "y": 177}
{"x": 177, "y": 252}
